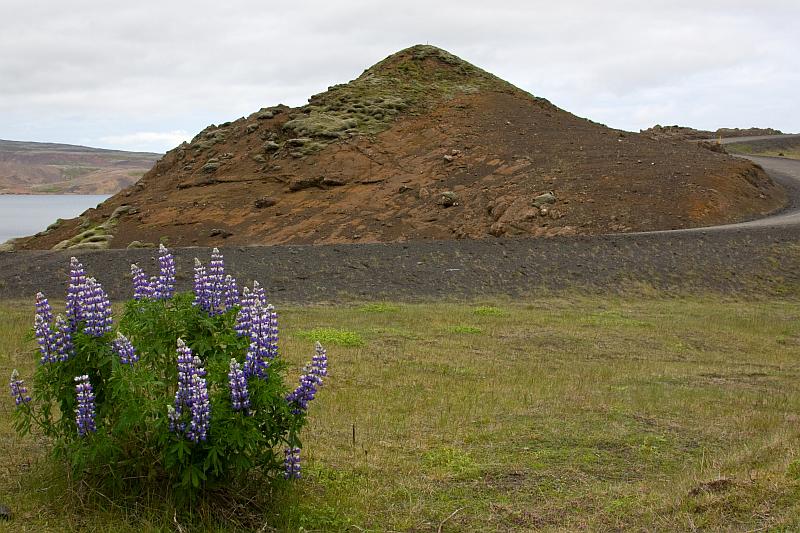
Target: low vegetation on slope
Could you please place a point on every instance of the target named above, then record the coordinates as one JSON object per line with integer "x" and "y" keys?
{"x": 786, "y": 147}
{"x": 599, "y": 414}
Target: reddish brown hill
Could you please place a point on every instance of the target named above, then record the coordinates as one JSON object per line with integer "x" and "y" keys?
{"x": 421, "y": 146}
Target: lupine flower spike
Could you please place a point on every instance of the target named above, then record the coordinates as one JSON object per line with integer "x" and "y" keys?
{"x": 75, "y": 292}
{"x": 42, "y": 330}
{"x": 216, "y": 276}
{"x": 96, "y": 309}
{"x": 230, "y": 293}
{"x": 62, "y": 340}
{"x": 192, "y": 394}
{"x": 164, "y": 284}
{"x": 310, "y": 381}
{"x": 237, "y": 381}
{"x": 260, "y": 351}
{"x": 142, "y": 289}
{"x": 291, "y": 463}
{"x": 124, "y": 349}
{"x": 243, "y": 319}
{"x": 214, "y": 291}
{"x": 202, "y": 296}
{"x": 18, "y": 389}
{"x": 84, "y": 412}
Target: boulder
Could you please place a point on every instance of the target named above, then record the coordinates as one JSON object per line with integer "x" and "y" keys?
{"x": 264, "y": 202}
{"x": 304, "y": 183}
{"x": 271, "y": 146}
{"x": 140, "y": 244}
{"x": 333, "y": 182}
{"x": 447, "y": 199}
{"x": 544, "y": 199}
{"x": 217, "y": 232}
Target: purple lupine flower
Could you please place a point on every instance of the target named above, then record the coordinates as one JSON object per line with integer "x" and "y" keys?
{"x": 273, "y": 332}
{"x": 200, "y": 410}
{"x": 43, "y": 308}
{"x": 192, "y": 394}
{"x": 202, "y": 296}
{"x": 62, "y": 348}
{"x": 250, "y": 298}
{"x": 230, "y": 293}
{"x": 291, "y": 463}
{"x": 42, "y": 330}
{"x": 319, "y": 363}
{"x": 244, "y": 320}
{"x": 75, "y": 292}
{"x": 124, "y": 349}
{"x": 174, "y": 418}
{"x": 258, "y": 293}
{"x": 259, "y": 351}
{"x": 96, "y": 309}
{"x": 142, "y": 289}
{"x": 237, "y": 382}
{"x": 310, "y": 381}
{"x": 164, "y": 284}
{"x": 216, "y": 277}
{"x": 84, "y": 411}
{"x": 183, "y": 392}
{"x": 18, "y": 389}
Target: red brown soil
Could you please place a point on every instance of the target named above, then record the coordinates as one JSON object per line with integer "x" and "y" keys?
{"x": 495, "y": 150}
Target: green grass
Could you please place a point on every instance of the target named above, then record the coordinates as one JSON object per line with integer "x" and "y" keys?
{"x": 784, "y": 148}
{"x": 564, "y": 414}
{"x": 465, "y": 329}
{"x": 331, "y": 336}
{"x": 489, "y": 310}
{"x": 379, "y": 308}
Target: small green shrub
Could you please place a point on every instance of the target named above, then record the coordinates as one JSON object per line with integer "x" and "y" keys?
{"x": 187, "y": 393}
{"x": 488, "y": 310}
{"x": 338, "y": 337}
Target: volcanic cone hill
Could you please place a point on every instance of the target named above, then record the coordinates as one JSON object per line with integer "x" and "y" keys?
{"x": 423, "y": 145}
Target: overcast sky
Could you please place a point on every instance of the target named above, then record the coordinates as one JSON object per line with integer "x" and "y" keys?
{"x": 147, "y": 75}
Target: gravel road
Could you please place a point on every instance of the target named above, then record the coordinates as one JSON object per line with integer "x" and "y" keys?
{"x": 757, "y": 257}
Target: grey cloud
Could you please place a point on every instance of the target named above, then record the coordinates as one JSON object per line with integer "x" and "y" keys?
{"x": 92, "y": 71}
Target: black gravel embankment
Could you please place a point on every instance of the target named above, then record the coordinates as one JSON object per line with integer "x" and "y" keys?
{"x": 755, "y": 260}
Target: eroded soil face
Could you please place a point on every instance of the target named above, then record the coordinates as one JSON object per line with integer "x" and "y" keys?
{"x": 474, "y": 165}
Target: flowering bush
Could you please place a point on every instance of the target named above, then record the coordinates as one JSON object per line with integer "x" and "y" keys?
{"x": 189, "y": 389}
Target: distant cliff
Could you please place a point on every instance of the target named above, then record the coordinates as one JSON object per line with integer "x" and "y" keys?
{"x": 683, "y": 132}
{"x": 46, "y": 168}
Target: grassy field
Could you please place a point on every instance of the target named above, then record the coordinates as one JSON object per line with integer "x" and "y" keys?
{"x": 553, "y": 414}
{"x": 790, "y": 149}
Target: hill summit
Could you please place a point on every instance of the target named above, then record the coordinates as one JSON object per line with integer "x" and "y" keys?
{"x": 422, "y": 145}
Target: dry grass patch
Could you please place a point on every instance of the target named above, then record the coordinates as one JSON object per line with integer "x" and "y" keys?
{"x": 561, "y": 414}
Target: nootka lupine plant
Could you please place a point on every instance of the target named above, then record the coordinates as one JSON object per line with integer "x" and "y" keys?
{"x": 124, "y": 349}
{"x": 164, "y": 284}
{"x": 18, "y": 389}
{"x": 187, "y": 390}
{"x": 84, "y": 412}
{"x": 237, "y": 381}
{"x": 141, "y": 284}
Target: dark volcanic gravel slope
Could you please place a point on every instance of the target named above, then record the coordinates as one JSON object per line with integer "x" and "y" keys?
{"x": 745, "y": 258}
{"x": 761, "y": 260}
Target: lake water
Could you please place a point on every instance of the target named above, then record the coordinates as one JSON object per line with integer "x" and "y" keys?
{"x": 26, "y": 214}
